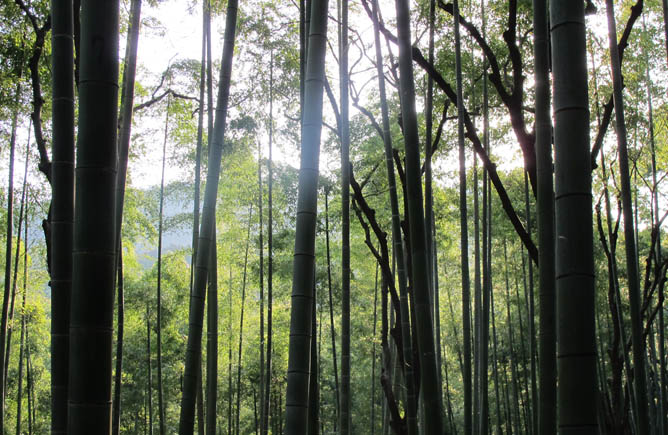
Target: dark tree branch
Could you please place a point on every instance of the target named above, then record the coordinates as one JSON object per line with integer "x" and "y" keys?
{"x": 472, "y": 135}
{"x": 400, "y": 169}
{"x": 397, "y": 423}
{"x": 37, "y": 99}
{"x": 361, "y": 206}
{"x": 526, "y": 142}
{"x": 331, "y": 128}
{"x": 495, "y": 76}
{"x": 439, "y": 132}
{"x": 335, "y": 107}
{"x": 366, "y": 179}
{"x": 31, "y": 17}
{"x": 510, "y": 36}
{"x": 369, "y": 115}
{"x": 514, "y": 99}
{"x": 157, "y": 99}
{"x": 636, "y": 10}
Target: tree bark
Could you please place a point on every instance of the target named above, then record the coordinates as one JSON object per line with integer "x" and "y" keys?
{"x": 373, "y": 355}
{"x": 94, "y": 243}
{"x": 263, "y": 380}
{"x": 22, "y": 222}
{"x": 125, "y": 120}
{"x": 433, "y": 408}
{"x": 398, "y": 249}
{"x": 196, "y": 315}
{"x": 532, "y": 318}
{"x": 270, "y": 256}
{"x": 241, "y": 320}
{"x": 212, "y": 340}
{"x": 161, "y": 407}
{"x": 576, "y": 349}
{"x": 331, "y": 311}
{"x": 149, "y": 386}
{"x": 314, "y": 390}
{"x": 466, "y": 295}
{"x": 630, "y": 243}
{"x": 345, "y": 222}
{"x": 304, "y": 252}
{"x": 547, "y": 407}
{"x": 62, "y": 205}
{"x": 19, "y": 395}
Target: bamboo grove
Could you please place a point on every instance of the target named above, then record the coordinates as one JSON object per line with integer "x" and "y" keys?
{"x": 205, "y": 234}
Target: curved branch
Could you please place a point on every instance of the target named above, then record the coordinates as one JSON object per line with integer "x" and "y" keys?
{"x": 366, "y": 112}
{"x": 510, "y": 37}
{"x": 335, "y": 107}
{"x": 471, "y": 133}
{"x": 361, "y": 206}
{"x": 636, "y": 10}
{"x": 495, "y": 75}
{"x": 157, "y": 99}
{"x": 37, "y": 99}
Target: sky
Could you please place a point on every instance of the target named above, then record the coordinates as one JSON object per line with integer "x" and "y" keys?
{"x": 171, "y": 31}
{"x": 177, "y": 35}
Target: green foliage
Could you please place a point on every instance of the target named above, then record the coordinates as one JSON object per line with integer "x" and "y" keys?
{"x": 266, "y": 29}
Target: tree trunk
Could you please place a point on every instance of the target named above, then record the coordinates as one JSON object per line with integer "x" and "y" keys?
{"x": 196, "y": 315}
{"x": 241, "y": 320}
{"x": 230, "y": 392}
{"x": 485, "y": 306}
{"x": 331, "y": 310}
{"x": 263, "y": 380}
{"x": 19, "y": 395}
{"x": 257, "y": 426}
{"x": 466, "y": 292}
{"x": 320, "y": 323}
{"x": 513, "y": 366}
{"x": 212, "y": 340}
{"x": 127, "y": 98}
{"x": 576, "y": 351}
{"x": 198, "y": 146}
{"x": 639, "y": 378}
{"x": 118, "y": 374}
{"x": 663, "y": 423}
{"x": 437, "y": 320}
{"x": 433, "y": 409}
{"x": 373, "y": 355}
{"x": 205, "y": 73}
{"x": 8, "y": 255}
{"x": 532, "y": 317}
{"x": 210, "y": 136}
{"x": 398, "y": 249}
{"x": 618, "y": 359}
{"x": 304, "y": 253}
{"x": 547, "y": 407}
{"x": 161, "y": 407}
{"x": 477, "y": 302}
{"x": 345, "y": 223}
{"x": 314, "y": 391}
{"x": 270, "y": 256}
{"x": 29, "y": 388}
{"x": 22, "y": 218}
{"x": 428, "y": 194}
{"x": 94, "y": 243}
{"x": 523, "y": 342}
{"x": 495, "y": 364}
{"x": 62, "y": 206}
{"x": 148, "y": 367}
